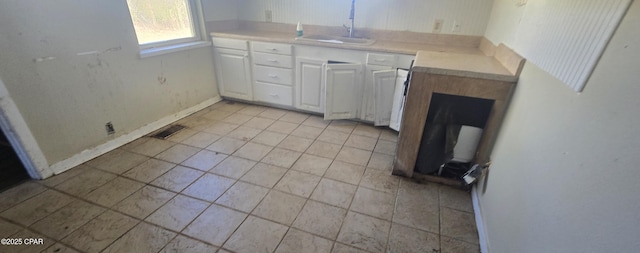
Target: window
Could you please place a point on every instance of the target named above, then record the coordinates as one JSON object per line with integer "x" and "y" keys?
{"x": 165, "y": 24}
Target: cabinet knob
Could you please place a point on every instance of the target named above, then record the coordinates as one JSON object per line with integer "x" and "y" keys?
{"x": 274, "y": 95}
{"x": 273, "y": 49}
{"x": 381, "y": 60}
{"x": 272, "y": 75}
{"x": 272, "y": 60}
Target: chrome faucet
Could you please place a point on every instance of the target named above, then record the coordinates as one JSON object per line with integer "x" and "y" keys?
{"x": 351, "y": 17}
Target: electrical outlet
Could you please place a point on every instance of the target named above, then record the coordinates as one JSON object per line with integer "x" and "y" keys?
{"x": 456, "y": 27}
{"x": 437, "y": 25}
{"x": 268, "y": 17}
{"x": 110, "y": 129}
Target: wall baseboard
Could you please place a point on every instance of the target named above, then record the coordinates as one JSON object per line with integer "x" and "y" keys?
{"x": 482, "y": 233}
{"x": 99, "y": 150}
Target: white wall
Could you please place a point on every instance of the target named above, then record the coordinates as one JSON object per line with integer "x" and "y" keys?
{"x": 217, "y": 10}
{"x": 401, "y": 15}
{"x": 565, "y": 166}
{"x": 67, "y": 100}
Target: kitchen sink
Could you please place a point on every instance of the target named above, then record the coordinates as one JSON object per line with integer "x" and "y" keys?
{"x": 337, "y": 39}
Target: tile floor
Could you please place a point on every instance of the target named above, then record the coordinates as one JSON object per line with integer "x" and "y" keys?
{"x": 242, "y": 178}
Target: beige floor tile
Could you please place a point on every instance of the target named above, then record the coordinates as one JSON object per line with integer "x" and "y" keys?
{"x": 100, "y": 232}
{"x": 386, "y": 147}
{"x": 204, "y": 160}
{"x": 295, "y": 117}
{"x": 280, "y": 207}
{"x": 177, "y": 153}
{"x": 252, "y": 110}
{"x": 269, "y": 138}
{"x": 149, "y": 170}
{"x": 220, "y": 128}
{"x": 455, "y": 199}
{"x": 271, "y": 113}
{"x": 217, "y": 115}
{"x": 142, "y": 238}
{"x": 237, "y": 118}
{"x": 46, "y": 242}
{"x": 296, "y": 241}
{"x": 114, "y": 191}
{"x": 117, "y": 161}
{"x": 320, "y": 219}
{"x": 298, "y": 183}
{"x": 17, "y": 194}
{"x": 36, "y": 208}
{"x": 335, "y": 137}
{"x": 215, "y": 224}
{"x": 253, "y": 151}
{"x": 380, "y": 180}
{"x": 229, "y": 106}
{"x": 458, "y": 225}
{"x": 282, "y": 127}
{"x": 256, "y": 235}
{"x": 244, "y": 133}
{"x": 381, "y": 162}
{"x": 345, "y": 172}
{"x": 152, "y": 147}
{"x": 7, "y": 229}
{"x": 177, "y": 178}
{"x": 354, "y": 156}
{"x": 361, "y": 142}
{"x": 135, "y": 143}
{"x": 209, "y": 187}
{"x": 259, "y": 123}
{"x": 450, "y": 245}
{"x": 406, "y": 239}
{"x": 264, "y": 175}
{"x": 196, "y": 123}
{"x": 316, "y": 121}
{"x": 312, "y": 164}
{"x": 58, "y": 179}
{"x": 67, "y": 219}
{"x": 59, "y": 248}
{"x": 341, "y": 248}
{"x": 345, "y": 126}
{"x": 389, "y": 135}
{"x": 86, "y": 182}
{"x": 365, "y": 232}
{"x": 226, "y": 145}
{"x": 308, "y": 132}
{"x": 185, "y": 244}
{"x": 417, "y": 206}
{"x": 243, "y": 196}
{"x": 181, "y": 135}
{"x": 366, "y": 130}
{"x": 324, "y": 149}
{"x": 281, "y": 157}
{"x": 144, "y": 202}
{"x": 334, "y": 193}
{"x": 201, "y": 140}
{"x": 177, "y": 213}
{"x": 375, "y": 203}
{"x": 233, "y": 167}
{"x": 295, "y": 143}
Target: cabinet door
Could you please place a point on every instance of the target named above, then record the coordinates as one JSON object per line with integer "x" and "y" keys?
{"x": 234, "y": 73}
{"x": 384, "y": 87}
{"x": 310, "y": 87}
{"x": 368, "y": 109}
{"x": 343, "y": 94}
{"x": 398, "y": 100}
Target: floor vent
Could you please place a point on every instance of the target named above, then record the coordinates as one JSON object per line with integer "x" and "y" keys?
{"x": 164, "y": 134}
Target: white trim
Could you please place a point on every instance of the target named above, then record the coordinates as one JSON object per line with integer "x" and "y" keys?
{"x": 91, "y": 153}
{"x": 155, "y": 51}
{"x": 482, "y": 233}
{"x": 17, "y": 131}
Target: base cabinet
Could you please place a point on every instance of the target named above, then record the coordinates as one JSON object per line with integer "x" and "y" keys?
{"x": 234, "y": 73}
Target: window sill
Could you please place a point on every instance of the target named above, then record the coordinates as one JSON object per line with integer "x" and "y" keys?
{"x": 150, "y": 52}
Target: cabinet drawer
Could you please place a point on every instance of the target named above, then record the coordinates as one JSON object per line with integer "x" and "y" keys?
{"x": 275, "y": 60}
{"x": 229, "y": 43}
{"x": 271, "y": 48}
{"x": 273, "y": 93}
{"x": 273, "y": 75}
{"x": 381, "y": 59}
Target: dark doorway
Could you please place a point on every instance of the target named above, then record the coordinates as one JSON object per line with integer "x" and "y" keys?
{"x": 12, "y": 172}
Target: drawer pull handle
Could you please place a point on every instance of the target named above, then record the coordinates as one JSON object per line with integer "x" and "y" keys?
{"x": 272, "y": 60}
{"x": 274, "y": 95}
{"x": 381, "y": 60}
{"x": 273, "y": 49}
{"x": 272, "y": 75}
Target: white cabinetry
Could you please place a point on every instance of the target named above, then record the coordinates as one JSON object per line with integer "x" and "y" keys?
{"x": 343, "y": 82}
{"x": 273, "y": 73}
{"x": 310, "y": 84}
{"x": 233, "y": 68}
